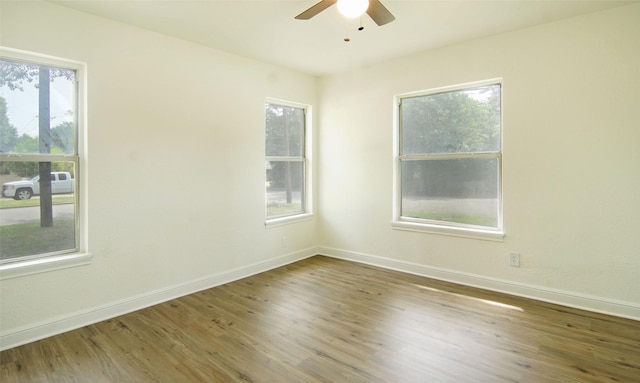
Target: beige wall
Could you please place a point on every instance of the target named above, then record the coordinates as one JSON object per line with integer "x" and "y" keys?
{"x": 176, "y": 163}
{"x": 571, "y": 177}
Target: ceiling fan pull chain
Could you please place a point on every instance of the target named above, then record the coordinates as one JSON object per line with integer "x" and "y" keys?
{"x": 346, "y": 31}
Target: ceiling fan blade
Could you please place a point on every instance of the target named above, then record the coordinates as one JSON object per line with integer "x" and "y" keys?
{"x": 314, "y": 10}
{"x": 379, "y": 13}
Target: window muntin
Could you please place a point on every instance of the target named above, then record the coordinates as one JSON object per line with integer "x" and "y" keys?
{"x": 449, "y": 157}
{"x": 38, "y": 135}
{"x": 285, "y": 165}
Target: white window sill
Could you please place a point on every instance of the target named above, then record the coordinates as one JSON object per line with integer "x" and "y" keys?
{"x": 487, "y": 235}
{"x": 43, "y": 265}
{"x": 288, "y": 220}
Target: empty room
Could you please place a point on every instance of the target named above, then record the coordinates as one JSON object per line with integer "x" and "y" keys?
{"x": 300, "y": 191}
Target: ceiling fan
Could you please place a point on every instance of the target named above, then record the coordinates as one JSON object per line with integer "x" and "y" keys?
{"x": 374, "y": 8}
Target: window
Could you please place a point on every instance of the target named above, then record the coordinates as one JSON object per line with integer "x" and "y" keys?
{"x": 40, "y": 155}
{"x": 448, "y": 164}
{"x": 286, "y": 160}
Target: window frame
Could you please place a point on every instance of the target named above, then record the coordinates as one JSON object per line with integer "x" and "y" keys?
{"x": 306, "y": 159}
{"x": 34, "y": 264}
{"x": 434, "y": 226}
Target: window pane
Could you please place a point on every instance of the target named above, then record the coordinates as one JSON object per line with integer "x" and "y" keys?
{"x": 461, "y": 121}
{"x": 285, "y": 184}
{"x": 285, "y": 131}
{"x": 37, "y": 109}
{"x": 462, "y": 191}
{"x": 32, "y": 224}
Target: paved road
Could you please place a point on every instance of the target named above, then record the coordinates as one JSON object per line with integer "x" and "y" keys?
{"x": 469, "y": 206}
{"x": 16, "y": 215}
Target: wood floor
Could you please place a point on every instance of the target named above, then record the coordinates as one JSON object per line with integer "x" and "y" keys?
{"x": 325, "y": 320}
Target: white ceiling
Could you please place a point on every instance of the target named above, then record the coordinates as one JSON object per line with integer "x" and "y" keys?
{"x": 266, "y": 29}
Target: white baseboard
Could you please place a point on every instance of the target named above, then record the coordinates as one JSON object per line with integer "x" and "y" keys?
{"x": 76, "y": 320}
{"x": 83, "y": 318}
{"x": 566, "y": 298}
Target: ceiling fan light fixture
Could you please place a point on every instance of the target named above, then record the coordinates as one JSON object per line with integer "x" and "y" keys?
{"x": 352, "y": 8}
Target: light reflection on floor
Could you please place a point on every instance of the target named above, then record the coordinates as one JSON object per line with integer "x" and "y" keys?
{"x": 487, "y": 301}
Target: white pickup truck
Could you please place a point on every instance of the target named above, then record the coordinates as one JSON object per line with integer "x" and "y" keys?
{"x": 61, "y": 183}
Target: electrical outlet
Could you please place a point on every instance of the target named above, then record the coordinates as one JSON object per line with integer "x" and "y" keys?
{"x": 514, "y": 259}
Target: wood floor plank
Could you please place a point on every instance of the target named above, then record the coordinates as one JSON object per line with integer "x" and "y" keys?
{"x": 326, "y": 320}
